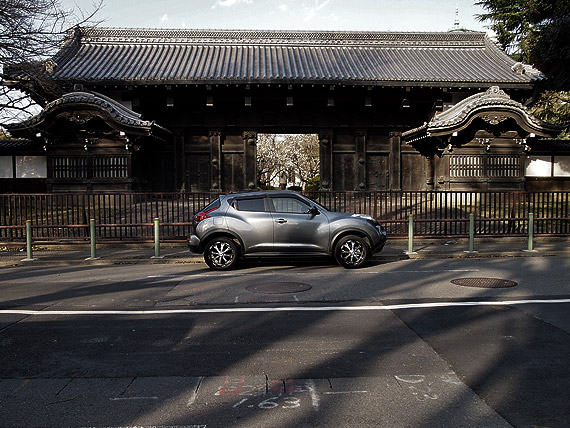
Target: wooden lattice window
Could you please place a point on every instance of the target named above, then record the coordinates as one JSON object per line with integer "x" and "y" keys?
{"x": 503, "y": 166}
{"x": 463, "y": 166}
{"x": 68, "y": 167}
{"x": 110, "y": 167}
{"x": 82, "y": 167}
{"x": 484, "y": 166}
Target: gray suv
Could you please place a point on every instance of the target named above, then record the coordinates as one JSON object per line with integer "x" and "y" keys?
{"x": 281, "y": 223}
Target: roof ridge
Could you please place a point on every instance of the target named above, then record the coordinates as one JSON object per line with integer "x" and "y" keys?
{"x": 159, "y": 36}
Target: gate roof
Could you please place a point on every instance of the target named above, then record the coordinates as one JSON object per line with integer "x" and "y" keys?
{"x": 155, "y": 56}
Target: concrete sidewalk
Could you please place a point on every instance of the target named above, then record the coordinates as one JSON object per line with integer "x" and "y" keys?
{"x": 396, "y": 249}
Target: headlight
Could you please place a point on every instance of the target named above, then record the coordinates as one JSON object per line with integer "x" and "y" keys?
{"x": 365, "y": 217}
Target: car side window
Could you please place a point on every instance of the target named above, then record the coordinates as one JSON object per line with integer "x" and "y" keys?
{"x": 290, "y": 205}
{"x": 250, "y": 204}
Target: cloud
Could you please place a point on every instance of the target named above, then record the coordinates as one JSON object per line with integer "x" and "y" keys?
{"x": 283, "y": 7}
{"x": 312, "y": 11}
{"x": 229, "y": 3}
{"x": 164, "y": 18}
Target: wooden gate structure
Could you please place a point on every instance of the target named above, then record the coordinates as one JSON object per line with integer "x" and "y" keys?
{"x": 180, "y": 110}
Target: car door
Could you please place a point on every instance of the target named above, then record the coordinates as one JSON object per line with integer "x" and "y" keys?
{"x": 295, "y": 228}
{"x": 249, "y": 218}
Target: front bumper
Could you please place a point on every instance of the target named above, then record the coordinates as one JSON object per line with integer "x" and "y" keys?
{"x": 379, "y": 244}
{"x": 194, "y": 244}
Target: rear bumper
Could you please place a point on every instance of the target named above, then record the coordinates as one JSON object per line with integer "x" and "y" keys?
{"x": 194, "y": 244}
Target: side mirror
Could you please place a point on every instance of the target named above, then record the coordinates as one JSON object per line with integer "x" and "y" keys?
{"x": 314, "y": 211}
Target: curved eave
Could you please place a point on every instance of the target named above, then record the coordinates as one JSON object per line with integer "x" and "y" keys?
{"x": 426, "y": 144}
{"x": 88, "y": 105}
{"x": 494, "y": 114}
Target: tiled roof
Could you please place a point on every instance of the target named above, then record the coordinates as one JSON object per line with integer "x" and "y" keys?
{"x": 16, "y": 144}
{"x": 131, "y": 56}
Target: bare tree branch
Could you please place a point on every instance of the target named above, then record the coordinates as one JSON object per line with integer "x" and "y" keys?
{"x": 31, "y": 32}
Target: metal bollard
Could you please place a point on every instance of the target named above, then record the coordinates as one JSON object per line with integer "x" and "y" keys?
{"x": 156, "y": 239}
{"x": 531, "y": 233}
{"x": 92, "y": 238}
{"x": 471, "y": 233}
{"x": 29, "y": 254}
{"x": 410, "y": 235}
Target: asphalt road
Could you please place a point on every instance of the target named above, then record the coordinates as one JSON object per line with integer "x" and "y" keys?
{"x": 396, "y": 344}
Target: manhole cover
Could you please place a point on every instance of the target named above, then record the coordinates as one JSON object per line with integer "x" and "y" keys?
{"x": 484, "y": 282}
{"x": 278, "y": 287}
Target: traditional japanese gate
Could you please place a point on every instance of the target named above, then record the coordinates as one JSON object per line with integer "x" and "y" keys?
{"x": 212, "y": 92}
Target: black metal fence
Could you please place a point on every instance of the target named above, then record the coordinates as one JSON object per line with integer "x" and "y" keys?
{"x": 128, "y": 217}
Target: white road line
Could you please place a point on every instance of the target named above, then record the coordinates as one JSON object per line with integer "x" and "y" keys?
{"x": 132, "y": 398}
{"x": 284, "y": 308}
{"x": 166, "y": 276}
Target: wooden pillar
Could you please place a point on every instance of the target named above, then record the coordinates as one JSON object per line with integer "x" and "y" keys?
{"x": 216, "y": 160}
{"x": 250, "y": 161}
{"x": 430, "y": 172}
{"x": 395, "y": 161}
{"x": 326, "y": 158}
{"x": 179, "y": 160}
{"x": 360, "y": 146}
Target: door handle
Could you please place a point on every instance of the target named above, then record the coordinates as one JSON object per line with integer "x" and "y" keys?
{"x": 280, "y": 221}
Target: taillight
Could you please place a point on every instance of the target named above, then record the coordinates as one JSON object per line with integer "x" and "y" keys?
{"x": 203, "y": 215}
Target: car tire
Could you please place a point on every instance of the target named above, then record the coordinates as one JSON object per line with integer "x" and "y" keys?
{"x": 221, "y": 254}
{"x": 351, "y": 252}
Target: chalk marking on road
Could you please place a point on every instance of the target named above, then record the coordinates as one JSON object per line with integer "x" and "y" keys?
{"x": 239, "y": 403}
{"x": 194, "y": 394}
{"x": 313, "y": 391}
{"x": 23, "y": 384}
{"x": 283, "y": 308}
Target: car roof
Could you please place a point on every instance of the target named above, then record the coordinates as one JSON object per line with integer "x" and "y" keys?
{"x": 260, "y": 193}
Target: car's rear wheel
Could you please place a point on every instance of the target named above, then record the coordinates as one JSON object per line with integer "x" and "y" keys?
{"x": 221, "y": 253}
{"x": 351, "y": 252}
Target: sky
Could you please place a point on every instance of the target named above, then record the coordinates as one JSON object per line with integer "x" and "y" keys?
{"x": 333, "y": 15}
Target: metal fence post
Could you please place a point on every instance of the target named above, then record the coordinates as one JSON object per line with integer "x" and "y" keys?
{"x": 29, "y": 255}
{"x": 93, "y": 243}
{"x": 411, "y": 235}
{"x": 156, "y": 239}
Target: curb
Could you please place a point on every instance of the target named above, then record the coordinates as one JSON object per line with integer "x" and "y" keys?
{"x": 82, "y": 259}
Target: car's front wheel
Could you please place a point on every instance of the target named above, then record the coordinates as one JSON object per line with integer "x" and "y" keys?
{"x": 221, "y": 253}
{"x": 351, "y": 252}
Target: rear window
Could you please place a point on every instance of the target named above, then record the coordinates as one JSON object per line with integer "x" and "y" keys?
{"x": 250, "y": 204}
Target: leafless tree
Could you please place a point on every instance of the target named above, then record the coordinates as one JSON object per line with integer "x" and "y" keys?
{"x": 287, "y": 159}
{"x": 31, "y": 32}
